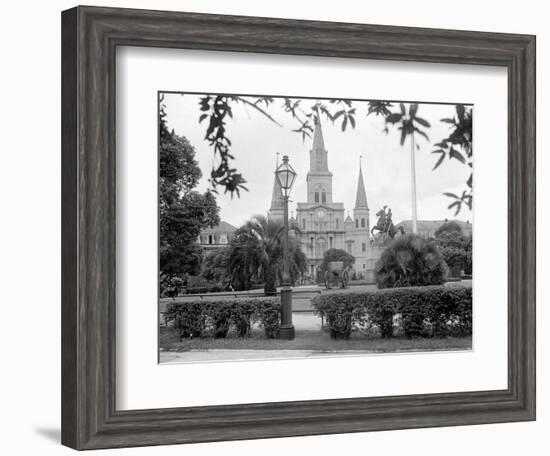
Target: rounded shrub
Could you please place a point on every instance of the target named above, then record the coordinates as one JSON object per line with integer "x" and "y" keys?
{"x": 411, "y": 261}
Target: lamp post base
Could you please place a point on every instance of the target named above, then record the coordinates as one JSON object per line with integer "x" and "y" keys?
{"x": 287, "y": 328}
{"x": 287, "y": 332}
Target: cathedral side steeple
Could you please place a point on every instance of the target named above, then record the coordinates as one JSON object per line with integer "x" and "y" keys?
{"x": 361, "y": 210}
{"x": 361, "y": 195}
{"x": 276, "y": 209}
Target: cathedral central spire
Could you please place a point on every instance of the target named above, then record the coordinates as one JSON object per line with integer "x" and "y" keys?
{"x": 318, "y": 158}
{"x": 319, "y": 178}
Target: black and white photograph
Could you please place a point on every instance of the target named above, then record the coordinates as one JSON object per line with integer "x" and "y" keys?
{"x": 298, "y": 227}
{"x": 258, "y": 228}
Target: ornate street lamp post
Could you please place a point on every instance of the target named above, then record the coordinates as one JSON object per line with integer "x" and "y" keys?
{"x": 286, "y": 177}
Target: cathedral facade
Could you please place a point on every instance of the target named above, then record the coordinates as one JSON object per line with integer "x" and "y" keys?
{"x": 322, "y": 221}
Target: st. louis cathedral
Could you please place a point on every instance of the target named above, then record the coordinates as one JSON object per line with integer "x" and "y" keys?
{"x": 323, "y": 222}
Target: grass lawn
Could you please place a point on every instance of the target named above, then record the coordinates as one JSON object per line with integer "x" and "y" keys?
{"x": 314, "y": 340}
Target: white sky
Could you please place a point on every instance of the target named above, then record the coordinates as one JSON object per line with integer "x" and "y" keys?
{"x": 386, "y": 165}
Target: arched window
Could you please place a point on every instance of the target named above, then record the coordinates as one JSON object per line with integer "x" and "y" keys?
{"x": 337, "y": 224}
{"x": 330, "y": 242}
{"x": 320, "y": 194}
{"x": 362, "y": 223}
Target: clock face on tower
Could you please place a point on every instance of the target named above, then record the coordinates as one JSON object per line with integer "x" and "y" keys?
{"x": 321, "y": 213}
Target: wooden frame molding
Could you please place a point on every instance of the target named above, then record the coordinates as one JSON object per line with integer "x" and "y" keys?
{"x": 90, "y": 36}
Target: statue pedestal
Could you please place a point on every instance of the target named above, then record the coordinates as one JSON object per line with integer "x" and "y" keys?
{"x": 381, "y": 239}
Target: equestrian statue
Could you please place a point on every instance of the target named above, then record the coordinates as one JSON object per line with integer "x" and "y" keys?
{"x": 385, "y": 224}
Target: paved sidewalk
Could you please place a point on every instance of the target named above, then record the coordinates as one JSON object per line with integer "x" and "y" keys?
{"x": 220, "y": 355}
{"x": 194, "y": 356}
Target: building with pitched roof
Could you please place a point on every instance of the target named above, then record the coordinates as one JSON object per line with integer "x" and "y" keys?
{"x": 427, "y": 228}
{"x": 216, "y": 237}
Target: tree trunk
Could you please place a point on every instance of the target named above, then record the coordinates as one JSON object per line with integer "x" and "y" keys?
{"x": 270, "y": 286}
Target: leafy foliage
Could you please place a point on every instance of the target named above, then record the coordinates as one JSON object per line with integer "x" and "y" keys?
{"x": 434, "y": 311}
{"x": 408, "y": 124}
{"x": 448, "y": 227}
{"x": 257, "y": 253}
{"x": 336, "y": 255}
{"x": 456, "y": 250}
{"x": 269, "y": 316}
{"x": 216, "y": 318}
{"x": 379, "y": 108}
{"x": 216, "y": 109}
{"x": 179, "y": 226}
{"x": 215, "y": 266}
{"x": 458, "y": 146}
{"x": 244, "y": 312}
{"x": 183, "y": 212}
{"x": 179, "y": 172}
{"x": 189, "y": 321}
{"x": 410, "y": 260}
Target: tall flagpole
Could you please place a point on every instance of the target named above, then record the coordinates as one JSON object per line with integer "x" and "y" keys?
{"x": 413, "y": 186}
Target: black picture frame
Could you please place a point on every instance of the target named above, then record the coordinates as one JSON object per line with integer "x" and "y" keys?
{"x": 90, "y": 36}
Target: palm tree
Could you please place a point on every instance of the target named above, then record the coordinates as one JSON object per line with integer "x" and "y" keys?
{"x": 411, "y": 261}
{"x": 408, "y": 127}
{"x": 257, "y": 253}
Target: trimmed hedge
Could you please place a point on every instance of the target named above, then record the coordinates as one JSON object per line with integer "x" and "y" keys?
{"x": 200, "y": 318}
{"x": 432, "y": 311}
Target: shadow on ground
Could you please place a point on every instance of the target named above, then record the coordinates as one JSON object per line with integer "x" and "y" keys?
{"x": 52, "y": 434}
